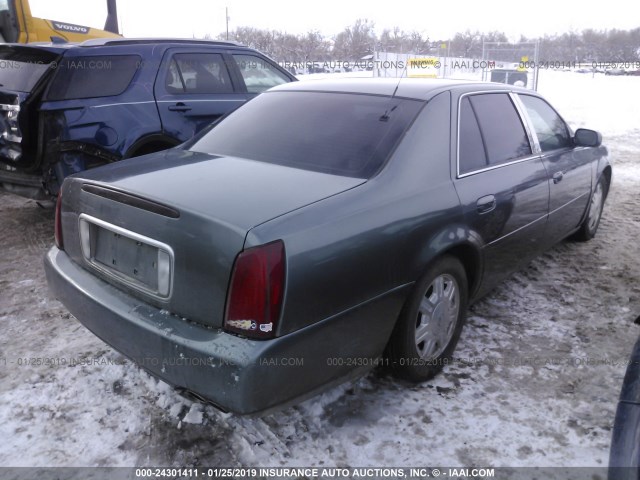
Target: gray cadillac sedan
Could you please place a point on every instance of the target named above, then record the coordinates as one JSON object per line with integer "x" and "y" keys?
{"x": 320, "y": 230}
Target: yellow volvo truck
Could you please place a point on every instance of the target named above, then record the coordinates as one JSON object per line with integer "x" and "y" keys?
{"x": 17, "y": 25}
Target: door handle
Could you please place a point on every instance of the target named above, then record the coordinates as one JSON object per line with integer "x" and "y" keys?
{"x": 179, "y": 107}
{"x": 486, "y": 204}
{"x": 557, "y": 177}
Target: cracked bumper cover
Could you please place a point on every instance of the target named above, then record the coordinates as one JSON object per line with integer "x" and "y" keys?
{"x": 235, "y": 374}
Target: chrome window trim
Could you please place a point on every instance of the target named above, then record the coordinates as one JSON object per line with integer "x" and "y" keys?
{"x": 526, "y": 121}
{"x": 493, "y": 167}
{"x": 534, "y": 154}
{"x": 121, "y": 279}
{"x": 189, "y": 100}
{"x": 121, "y": 103}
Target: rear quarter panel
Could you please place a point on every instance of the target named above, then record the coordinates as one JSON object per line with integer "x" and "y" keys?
{"x": 112, "y": 123}
{"x": 375, "y": 239}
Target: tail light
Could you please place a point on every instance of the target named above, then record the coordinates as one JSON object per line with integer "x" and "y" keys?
{"x": 58, "y": 227}
{"x": 255, "y": 296}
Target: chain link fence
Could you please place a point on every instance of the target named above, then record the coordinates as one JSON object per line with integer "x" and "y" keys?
{"x": 511, "y": 63}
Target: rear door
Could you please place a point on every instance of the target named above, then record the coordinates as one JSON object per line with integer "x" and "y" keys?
{"x": 194, "y": 87}
{"x": 501, "y": 182}
{"x": 569, "y": 174}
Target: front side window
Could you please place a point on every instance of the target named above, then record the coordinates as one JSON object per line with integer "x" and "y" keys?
{"x": 550, "y": 129}
{"x": 259, "y": 75}
{"x": 335, "y": 133}
{"x": 198, "y": 73}
{"x": 94, "y": 76}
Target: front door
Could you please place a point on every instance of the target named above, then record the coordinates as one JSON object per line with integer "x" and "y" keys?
{"x": 569, "y": 172}
{"x": 501, "y": 183}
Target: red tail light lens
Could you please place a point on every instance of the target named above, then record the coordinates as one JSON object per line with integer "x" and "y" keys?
{"x": 58, "y": 227}
{"x": 255, "y": 297}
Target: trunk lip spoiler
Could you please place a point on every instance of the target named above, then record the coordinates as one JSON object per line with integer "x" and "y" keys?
{"x": 131, "y": 200}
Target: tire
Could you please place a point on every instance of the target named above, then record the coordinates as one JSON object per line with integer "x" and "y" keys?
{"x": 431, "y": 321}
{"x": 591, "y": 222}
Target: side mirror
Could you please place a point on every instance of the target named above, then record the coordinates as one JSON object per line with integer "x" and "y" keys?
{"x": 587, "y": 138}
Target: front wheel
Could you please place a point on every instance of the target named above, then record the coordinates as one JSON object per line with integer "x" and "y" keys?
{"x": 590, "y": 224}
{"x": 431, "y": 322}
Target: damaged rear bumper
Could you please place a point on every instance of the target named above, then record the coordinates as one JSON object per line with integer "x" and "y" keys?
{"x": 235, "y": 374}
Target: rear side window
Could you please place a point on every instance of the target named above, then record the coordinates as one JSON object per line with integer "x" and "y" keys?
{"x": 96, "y": 76}
{"x": 22, "y": 67}
{"x": 341, "y": 134}
{"x": 471, "y": 153}
{"x": 551, "y": 130}
{"x": 198, "y": 73}
{"x": 500, "y": 126}
{"x": 259, "y": 75}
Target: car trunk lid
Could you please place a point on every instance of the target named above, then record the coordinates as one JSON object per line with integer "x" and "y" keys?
{"x": 183, "y": 212}
{"x": 238, "y": 192}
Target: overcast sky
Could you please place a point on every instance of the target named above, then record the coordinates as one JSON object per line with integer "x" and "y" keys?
{"x": 435, "y": 19}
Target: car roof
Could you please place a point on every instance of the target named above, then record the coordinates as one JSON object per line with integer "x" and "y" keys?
{"x": 416, "y": 88}
{"x": 48, "y": 46}
{"x": 103, "y": 42}
{"x": 98, "y": 42}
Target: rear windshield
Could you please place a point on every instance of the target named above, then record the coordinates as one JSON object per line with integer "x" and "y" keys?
{"x": 95, "y": 76}
{"x": 21, "y": 68}
{"x": 342, "y": 134}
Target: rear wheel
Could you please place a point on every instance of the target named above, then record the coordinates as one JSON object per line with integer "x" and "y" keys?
{"x": 590, "y": 224}
{"x": 431, "y": 322}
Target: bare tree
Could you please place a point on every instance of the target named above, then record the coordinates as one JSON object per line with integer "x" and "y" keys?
{"x": 467, "y": 44}
{"x": 398, "y": 41}
{"x": 313, "y": 46}
{"x": 263, "y": 40}
{"x": 360, "y": 39}
{"x": 418, "y": 43}
{"x": 355, "y": 41}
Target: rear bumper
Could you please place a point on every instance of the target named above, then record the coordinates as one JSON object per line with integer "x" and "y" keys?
{"x": 236, "y": 374}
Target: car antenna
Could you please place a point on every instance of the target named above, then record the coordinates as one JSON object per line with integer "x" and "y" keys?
{"x": 385, "y": 116}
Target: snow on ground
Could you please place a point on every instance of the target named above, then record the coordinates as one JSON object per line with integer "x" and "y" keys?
{"x": 534, "y": 383}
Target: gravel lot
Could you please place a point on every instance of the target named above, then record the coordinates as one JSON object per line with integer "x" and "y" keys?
{"x": 535, "y": 381}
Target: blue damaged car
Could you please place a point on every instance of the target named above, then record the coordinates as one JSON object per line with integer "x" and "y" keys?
{"x": 65, "y": 108}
